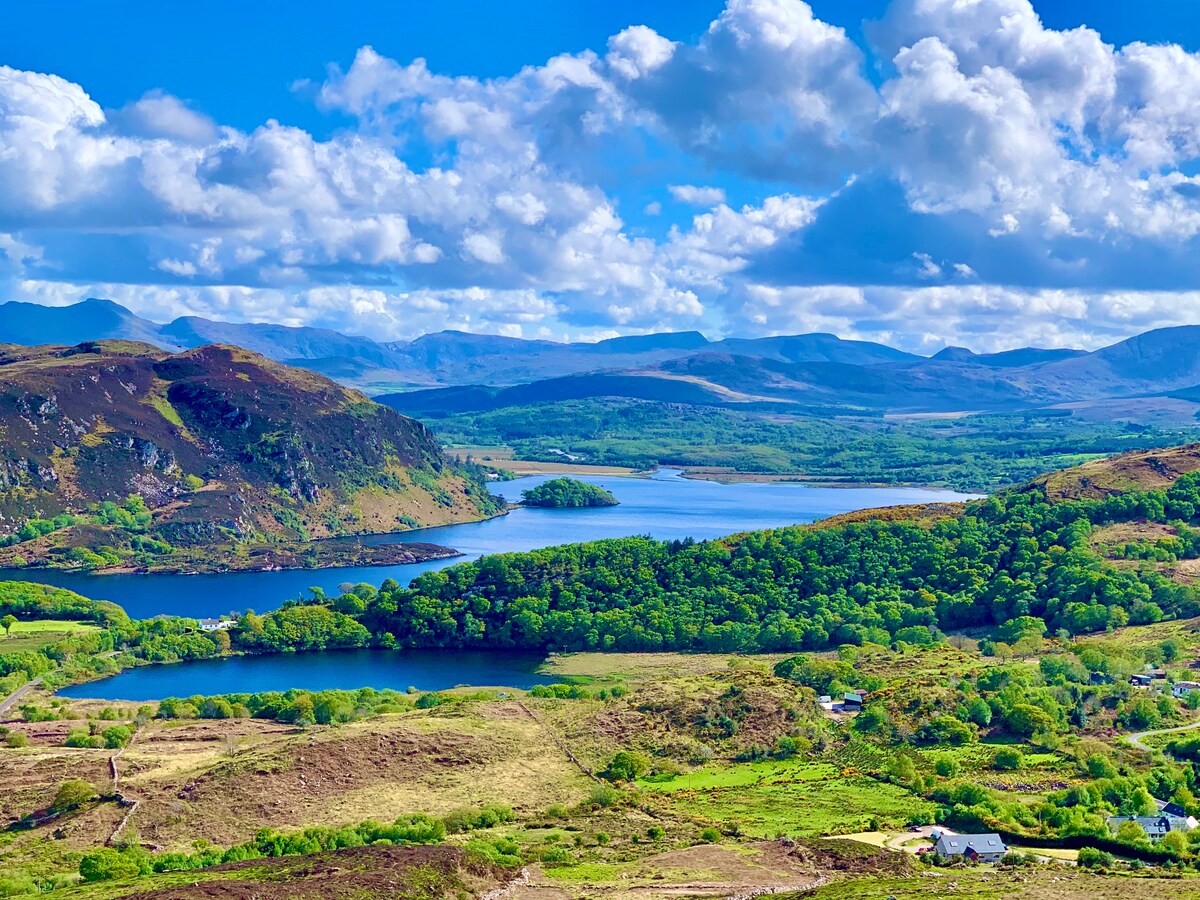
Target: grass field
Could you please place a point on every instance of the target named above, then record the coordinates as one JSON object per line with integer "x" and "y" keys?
{"x": 27, "y": 636}
{"x": 766, "y": 799}
{"x": 502, "y": 458}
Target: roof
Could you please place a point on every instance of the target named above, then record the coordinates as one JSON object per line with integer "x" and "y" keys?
{"x": 850, "y": 697}
{"x": 958, "y": 844}
{"x": 1150, "y": 824}
{"x": 1167, "y": 808}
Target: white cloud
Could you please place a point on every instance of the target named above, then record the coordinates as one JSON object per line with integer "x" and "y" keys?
{"x": 1015, "y": 133}
{"x": 486, "y": 248}
{"x": 697, "y": 196}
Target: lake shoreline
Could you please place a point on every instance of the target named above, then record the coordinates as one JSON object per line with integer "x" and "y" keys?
{"x": 282, "y": 558}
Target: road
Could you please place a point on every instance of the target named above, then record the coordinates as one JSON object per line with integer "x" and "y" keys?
{"x": 7, "y": 703}
{"x": 1136, "y": 739}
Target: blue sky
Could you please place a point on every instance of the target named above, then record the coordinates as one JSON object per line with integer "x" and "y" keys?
{"x": 987, "y": 173}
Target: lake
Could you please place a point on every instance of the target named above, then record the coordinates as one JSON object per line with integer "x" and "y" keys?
{"x": 665, "y": 506}
{"x": 426, "y": 670}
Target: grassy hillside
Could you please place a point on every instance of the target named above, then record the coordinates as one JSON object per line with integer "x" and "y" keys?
{"x": 118, "y": 454}
{"x": 1147, "y": 470}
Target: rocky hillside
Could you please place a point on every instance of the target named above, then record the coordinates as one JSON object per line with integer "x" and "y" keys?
{"x": 136, "y": 455}
{"x": 1144, "y": 470}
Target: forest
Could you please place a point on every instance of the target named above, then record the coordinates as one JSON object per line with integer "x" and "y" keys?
{"x": 1010, "y": 557}
{"x": 970, "y": 453}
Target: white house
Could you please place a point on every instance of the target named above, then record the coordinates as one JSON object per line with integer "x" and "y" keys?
{"x": 216, "y": 624}
{"x": 1183, "y": 688}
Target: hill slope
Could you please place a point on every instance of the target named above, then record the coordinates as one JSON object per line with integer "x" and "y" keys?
{"x": 218, "y": 447}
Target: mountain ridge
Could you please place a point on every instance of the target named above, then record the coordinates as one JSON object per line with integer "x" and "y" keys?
{"x": 812, "y": 372}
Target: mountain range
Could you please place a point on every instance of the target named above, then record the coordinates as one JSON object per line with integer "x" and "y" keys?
{"x": 454, "y": 371}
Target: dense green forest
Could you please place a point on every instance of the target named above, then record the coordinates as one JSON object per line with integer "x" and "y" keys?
{"x": 1010, "y": 556}
{"x": 567, "y": 493}
{"x": 976, "y": 453}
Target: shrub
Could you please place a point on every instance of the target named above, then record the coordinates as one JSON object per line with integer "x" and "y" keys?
{"x": 1091, "y": 858}
{"x": 604, "y": 795}
{"x": 709, "y": 835}
{"x": 116, "y": 736}
{"x": 72, "y": 794}
{"x": 946, "y": 766}
{"x": 15, "y": 884}
{"x": 627, "y": 766}
{"x": 109, "y": 864}
{"x": 16, "y": 739}
{"x": 1007, "y": 759}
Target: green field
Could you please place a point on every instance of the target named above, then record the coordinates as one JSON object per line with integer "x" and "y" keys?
{"x": 27, "y": 636}
{"x": 765, "y": 799}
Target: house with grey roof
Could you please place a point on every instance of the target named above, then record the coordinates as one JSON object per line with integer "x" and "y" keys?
{"x": 984, "y": 848}
{"x": 1154, "y": 826}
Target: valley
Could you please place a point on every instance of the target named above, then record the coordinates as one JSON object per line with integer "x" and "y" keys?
{"x": 673, "y": 746}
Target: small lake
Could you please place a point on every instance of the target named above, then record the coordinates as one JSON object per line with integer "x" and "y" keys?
{"x": 665, "y": 506}
{"x": 426, "y": 670}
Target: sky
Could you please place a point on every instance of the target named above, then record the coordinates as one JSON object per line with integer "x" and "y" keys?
{"x": 984, "y": 173}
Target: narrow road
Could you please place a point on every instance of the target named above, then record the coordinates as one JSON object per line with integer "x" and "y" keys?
{"x": 7, "y": 703}
{"x": 1136, "y": 739}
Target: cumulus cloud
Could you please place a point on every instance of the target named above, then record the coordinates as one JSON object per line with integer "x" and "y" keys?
{"x": 696, "y": 196}
{"x": 997, "y": 171}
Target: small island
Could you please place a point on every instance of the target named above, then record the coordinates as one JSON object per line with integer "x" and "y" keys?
{"x": 567, "y": 493}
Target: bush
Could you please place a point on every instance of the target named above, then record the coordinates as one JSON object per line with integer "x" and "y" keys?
{"x": 469, "y": 818}
{"x": 81, "y": 737}
{"x": 1007, "y": 759}
{"x": 1091, "y": 858}
{"x": 15, "y": 884}
{"x": 72, "y": 794}
{"x": 109, "y": 864}
{"x": 116, "y": 736}
{"x": 709, "y": 835}
{"x": 16, "y": 739}
{"x": 946, "y": 766}
{"x": 604, "y": 795}
{"x": 627, "y": 766}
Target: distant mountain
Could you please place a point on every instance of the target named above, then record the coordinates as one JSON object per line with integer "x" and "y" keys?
{"x": 32, "y": 324}
{"x": 814, "y": 348}
{"x": 447, "y": 358}
{"x": 221, "y": 445}
{"x": 1007, "y": 359}
{"x": 809, "y": 371}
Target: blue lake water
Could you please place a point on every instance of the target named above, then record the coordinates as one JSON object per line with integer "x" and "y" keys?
{"x": 664, "y": 506}
{"x": 426, "y": 670}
